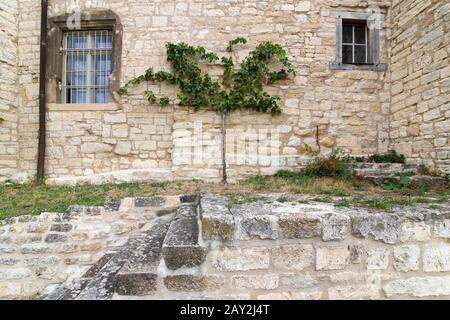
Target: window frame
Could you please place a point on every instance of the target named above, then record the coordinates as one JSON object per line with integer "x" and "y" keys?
{"x": 354, "y": 44}
{"x": 372, "y": 40}
{"x": 99, "y": 20}
{"x": 89, "y": 52}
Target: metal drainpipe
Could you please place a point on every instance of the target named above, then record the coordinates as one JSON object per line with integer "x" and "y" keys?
{"x": 42, "y": 94}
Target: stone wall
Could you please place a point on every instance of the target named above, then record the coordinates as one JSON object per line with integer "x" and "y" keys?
{"x": 52, "y": 248}
{"x": 420, "y": 75}
{"x": 267, "y": 250}
{"x": 350, "y": 109}
{"x": 8, "y": 89}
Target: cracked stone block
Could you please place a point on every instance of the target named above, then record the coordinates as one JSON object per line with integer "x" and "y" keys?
{"x": 436, "y": 257}
{"x": 300, "y": 226}
{"x": 193, "y": 282}
{"x": 295, "y": 296}
{"x": 219, "y": 227}
{"x": 354, "y": 292}
{"x": 190, "y": 198}
{"x": 377, "y": 226}
{"x": 217, "y": 221}
{"x": 407, "y": 258}
{"x": 378, "y": 259}
{"x": 300, "y": 281}
{"x": 262, "y": 282}
{"x": 259, "y": 227}
{"x": 335, "y": 227}
{"x": 419, "y": 287}
{"x": 357, "y": 254}
{"x": 442, "y": 229}
{"x": 61, "y": 227}
{"x": 242, "y": 259}
{"x": 150, "y": 202}
{"x": 332, "y": 258}
{"x": 293, "y": 257}
{"x": 415, "y": 231}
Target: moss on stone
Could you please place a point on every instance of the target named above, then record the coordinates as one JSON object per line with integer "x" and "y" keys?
{"x": 215, "y": 229}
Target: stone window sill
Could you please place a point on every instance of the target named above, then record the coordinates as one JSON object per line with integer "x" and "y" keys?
{"x": 82, "y": 107}
{"x": 363, "y": 67}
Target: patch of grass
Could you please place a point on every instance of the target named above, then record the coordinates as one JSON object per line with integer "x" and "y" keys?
{"x": 323, "y": 199}
{"x": 343, "y": 203}
{"x": 33, "y": 199}
{"x": 442, "y": 197}
{"x": 235, "y": 200}
{"x": 376, "y": 203}
{"x": 387, "y": 203}
{"x": 435, "y": 207}
{"x": 283, "y": 199}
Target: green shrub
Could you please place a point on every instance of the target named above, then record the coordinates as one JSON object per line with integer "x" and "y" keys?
{"x": 405, "y": 185}
{"x": 333, "y": 166}
{"x": 390, "y": 157}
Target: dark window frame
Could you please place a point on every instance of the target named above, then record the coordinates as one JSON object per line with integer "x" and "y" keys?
{"x": 99, "y": 20}
{"x": 373, "y": 42}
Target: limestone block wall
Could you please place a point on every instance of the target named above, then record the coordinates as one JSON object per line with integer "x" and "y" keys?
{"x": 8, "y": 89}
{"x": 52, "y": 248}
{"x": 28, "y": 85}
{"x": 420, "y": 74}
{"x": 349, "y": 109}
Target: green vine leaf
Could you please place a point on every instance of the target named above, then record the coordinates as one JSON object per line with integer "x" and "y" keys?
{"x": 164, "y": 101}
{"x": 241, "y": 88}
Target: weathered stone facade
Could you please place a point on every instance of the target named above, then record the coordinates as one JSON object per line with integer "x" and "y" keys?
{"x": 324, "y": 109}
{"x": 8, "y": 89}
{"x": 420, "y": 76}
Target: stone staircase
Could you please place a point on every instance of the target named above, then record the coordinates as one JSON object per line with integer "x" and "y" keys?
{"x": 379, "y": 173}
{"x": 171, "y": 243}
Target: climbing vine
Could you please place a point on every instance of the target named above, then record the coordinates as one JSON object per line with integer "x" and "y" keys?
{"x": 238, "y": 88}
{"x": 241, "y": 88}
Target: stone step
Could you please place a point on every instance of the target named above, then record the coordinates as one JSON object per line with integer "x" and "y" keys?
{"x": 182, "y": 248}
{"x": 427, "y": 180}
{"x": 384, "y": 169}
{"x": 103, "y": 284}
{"x": 72, "y": 290}
{"x": 138, "y": 276}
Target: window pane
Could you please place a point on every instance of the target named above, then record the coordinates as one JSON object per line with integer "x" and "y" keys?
{"x": 88, "y": 65}
{"x": 76, "y": 40}
{"x": 360, "y": 54}
{"x": 102, "y": 40}
{"x": 360, "y": 34}
{"x": 347, "y": 54}
{"x": 101, "y": 69}
{"x": 347, "y": 34}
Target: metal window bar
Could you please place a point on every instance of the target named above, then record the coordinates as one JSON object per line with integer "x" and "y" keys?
{"x": 354, "y": 44}
{"x": 87, "y": 65}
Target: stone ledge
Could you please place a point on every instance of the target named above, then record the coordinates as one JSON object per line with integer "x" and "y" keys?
{"x": 82, "y": 107}
{"x": 272, "y": 220}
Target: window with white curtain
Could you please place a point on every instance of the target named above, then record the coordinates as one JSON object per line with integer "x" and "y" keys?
{"x": 87, "y": 66}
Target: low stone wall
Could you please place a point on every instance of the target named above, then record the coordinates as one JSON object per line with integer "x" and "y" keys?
{"x": 299, "y": 250}
{"x": 315, "y": 251}
{"x": 38, "y": 251}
